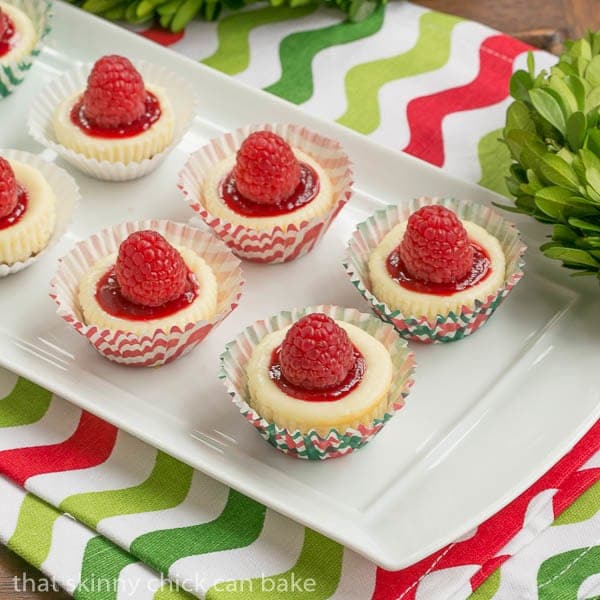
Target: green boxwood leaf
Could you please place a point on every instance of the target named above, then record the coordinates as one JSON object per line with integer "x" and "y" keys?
{"x": 520, "y": 84}
{"x": 557, "y": 171}
{"x": 531, "y": 64}
{"x": 517, "y": 117}
{"x": 592, "y": 73}
{"x": 589, "y": 159}
{"x": 513, "y": 186}
{"x": 592, "y": 100}
{"x": 581, "y": 49}
{"x": 517, "y": 139}
{"x": 572, "y": 256}
{"x": 555, "y": 194}
{"x": 576, "y": 130}
{"x": 593, "y": 141}
{"x": 585, "y": 225}
{"x": 562, "y": 233}
{"x": 549, "y": 107}
{"x": 550, "y": 208}
{"x": 592, "y": 193}
{"x": 578, "y": 89}
{"x": 593, "y": 178}
{"x": 567, "y": 97}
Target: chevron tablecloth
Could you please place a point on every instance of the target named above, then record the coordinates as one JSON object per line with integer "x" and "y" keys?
{"x": 108, "y": 517}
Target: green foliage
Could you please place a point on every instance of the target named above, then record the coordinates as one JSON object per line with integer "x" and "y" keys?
{"x": 553, "y": 134}
{"x": 176, "y": 14}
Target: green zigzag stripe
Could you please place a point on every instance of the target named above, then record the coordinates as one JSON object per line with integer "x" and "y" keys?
{"x": 584, "y": 508}
{"x": 102, "y": 563}
{"x": 32, "y": 537}
{"x": 363, "y": 82}
{"x": 487, "y": 590}
{"x": 560, "y": 576}
{"x": 298, "y": 50}
{"x": 320, "y": 560}
{"x": 26, "y": 404}
{"x": 166, "y": 487}
{"x": 237, "y": 526}
{"x": 233, "y": 52}
{"x": 494, "y": 158}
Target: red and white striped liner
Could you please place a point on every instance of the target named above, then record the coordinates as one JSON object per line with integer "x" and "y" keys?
{"x": 162, "y": 346}
{"x": 278, "y": 244}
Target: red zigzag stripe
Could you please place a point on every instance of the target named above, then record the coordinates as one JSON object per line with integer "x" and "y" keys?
{"x": 89, "y": 446}
{"x": 495, "y": 533}
{"x": 425, "y": 114}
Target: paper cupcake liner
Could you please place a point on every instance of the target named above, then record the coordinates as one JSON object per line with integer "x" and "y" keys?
{"x": 162, "y": 346}
{"x": 40, "y": 126}
{"x": 67, "y": 196}
{"x": 40, "y": 13}
{"x": 311, "y": 445}
{"x": 278, "y": 244}
{"x": 445, "y": 328}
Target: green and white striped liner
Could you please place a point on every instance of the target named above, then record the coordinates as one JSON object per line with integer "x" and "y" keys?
{"x": 40, "y": 13}
{"x": 311, "y": 445}
{"x": 445, "y": 328}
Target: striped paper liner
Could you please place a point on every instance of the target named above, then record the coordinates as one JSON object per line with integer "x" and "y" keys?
{"x": 311, "y": 445}
{"x": 445, "y": 328}
{"x": 66, "y": 192}
{"x": 40, "y": 13}
{"x": 162, "y": 346}
{"x": 278, "y": 244}
{"x": 39, "y": 121}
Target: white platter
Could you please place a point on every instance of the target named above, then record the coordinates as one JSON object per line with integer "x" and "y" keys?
{"x": 487, "y": 416}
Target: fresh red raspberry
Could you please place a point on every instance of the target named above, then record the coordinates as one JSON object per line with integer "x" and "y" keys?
{"x": 149, "y": 270}
{"x": 5, "y": 26}
{"x": 115, "y": 94}
{"x": 266, "y": 170}
{"x": 316, "y": 353}
{"x": 436, "y": 248}
{"x": 8, "y": 188}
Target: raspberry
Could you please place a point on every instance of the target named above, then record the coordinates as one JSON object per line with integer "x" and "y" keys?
{"x": 115, "y": 94}
{"x": 436, "y": 248}
{"x": 8, "y": 188}
{"x": 266, "y": 170}
{"x": 149, "y": 270}
{"x": 5, "y": 26}
{"x": 316, "y": 353}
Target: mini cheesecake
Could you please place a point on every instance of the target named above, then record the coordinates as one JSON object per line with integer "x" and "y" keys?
{"x": 312, "y": 198}
{"x": 415, "y": 291}
{"x": 359, "y": 399}
{"x": 18, "y": 37}
{"x": 27, "y": 228}
{"x": 105, "y": 304}
{"x": 132, "y": 133}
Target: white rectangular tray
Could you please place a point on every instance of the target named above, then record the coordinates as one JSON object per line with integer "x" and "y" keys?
{"x": 487, "y": 416}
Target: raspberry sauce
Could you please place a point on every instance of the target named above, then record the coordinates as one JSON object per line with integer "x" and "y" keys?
{"x": 353, "y": 378}
{"x": 110, "y": 298}
{"x": 132, "y": 129}
{"x": 18, "y": 211}
{"x": 306, "y": 191}
{"x": 7, "y": 40}
{"x": 480, "y": 270}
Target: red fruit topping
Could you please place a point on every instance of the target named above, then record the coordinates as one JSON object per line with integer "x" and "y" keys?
{"x": 8, "y": 188}
{"x": 436, "y": 248}
{"x": 149, "y": 270}
{"x": 5, "y": 26}
{"x": 115, "y": 94}
{"x": 316, "y": 353}
{"x": 266, "y": 170}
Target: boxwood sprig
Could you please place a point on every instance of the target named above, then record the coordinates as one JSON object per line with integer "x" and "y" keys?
{"x": 553, "y": 134}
